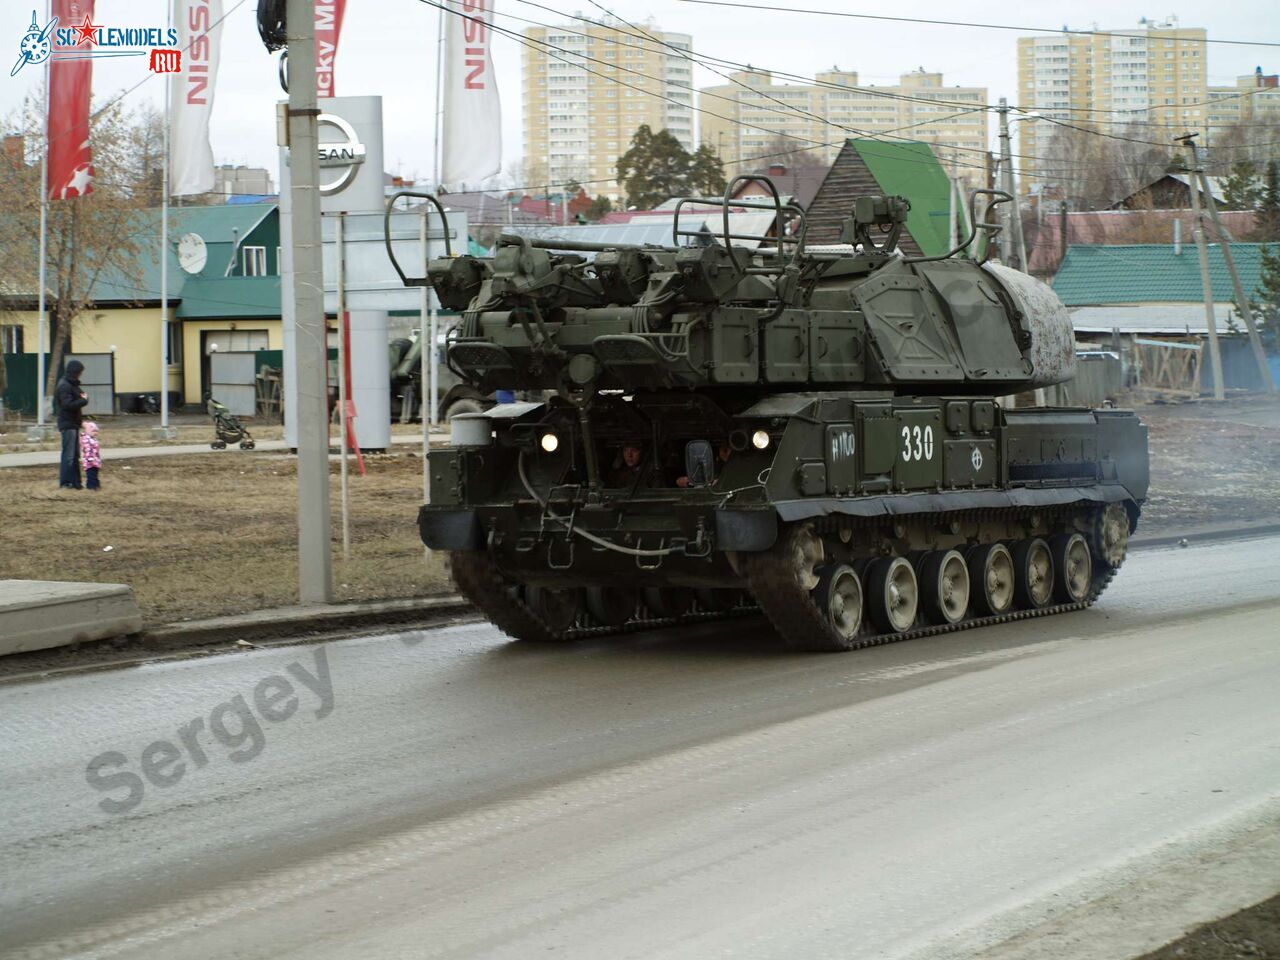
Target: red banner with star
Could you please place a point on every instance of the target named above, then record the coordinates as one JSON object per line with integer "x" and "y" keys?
{"x": 70, "y": 84}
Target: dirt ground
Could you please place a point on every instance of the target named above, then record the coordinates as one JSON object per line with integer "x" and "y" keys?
{"x": 1251, "y": 934}
{"x": 1212, "y": 463}
{"x": 211, "y": 534}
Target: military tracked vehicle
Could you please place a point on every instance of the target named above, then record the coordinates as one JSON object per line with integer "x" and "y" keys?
{"x": 741, "y": 423}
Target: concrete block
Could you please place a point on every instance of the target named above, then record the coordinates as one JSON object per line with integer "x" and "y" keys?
{"x": 38, "y": 614}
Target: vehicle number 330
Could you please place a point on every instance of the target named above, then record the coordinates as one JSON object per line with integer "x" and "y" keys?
{"x": 917, "y": 443}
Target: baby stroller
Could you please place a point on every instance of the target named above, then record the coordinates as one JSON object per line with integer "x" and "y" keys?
{"x": 227, "y": 426}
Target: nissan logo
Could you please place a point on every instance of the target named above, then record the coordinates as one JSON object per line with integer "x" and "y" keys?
{"x": 343, "y": 156}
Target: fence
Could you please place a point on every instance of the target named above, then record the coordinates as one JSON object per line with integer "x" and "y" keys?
{"x": 98, "y": 381}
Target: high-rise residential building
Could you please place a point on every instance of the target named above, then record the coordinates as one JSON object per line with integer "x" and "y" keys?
{"x": 1255, "y": 99}
{"x": 588, "y": 87}
{"x": 1155, "y": 73}
{"x": 745, "y": 118}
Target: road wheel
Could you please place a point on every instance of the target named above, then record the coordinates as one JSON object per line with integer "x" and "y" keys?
{"x": 218, "y": 445}
{"x": 1072, "y": 567}
{"x": 1032, "y": 574}
{"x": 990, "y": 579}
{"x": 668, "y": 602}
{"x": 1109, "y": 536}
{"x": 611, "y": 606}
{"x": 944, "y": 587}
{"x": 839, "y": 597}
{"x": 893, "y": 594}
{"x": 558, "y": 609}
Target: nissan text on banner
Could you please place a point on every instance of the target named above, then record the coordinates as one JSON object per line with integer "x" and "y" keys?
{"x": 472, "y": 113}
{"x": 328, "y": 30}
{"x": 70, "y": 82}
{"x": 191, "y": 96}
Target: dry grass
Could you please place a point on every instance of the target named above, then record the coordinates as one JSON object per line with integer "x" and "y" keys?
{"x": 205, "y": 535}
{"x": 135, "y": 431}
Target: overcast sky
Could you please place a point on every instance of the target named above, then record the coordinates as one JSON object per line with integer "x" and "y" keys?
{"x": 388, "y": 48}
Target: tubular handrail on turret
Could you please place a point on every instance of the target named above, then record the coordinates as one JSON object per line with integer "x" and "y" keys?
{"x": 727, "y": 236}
{"x": 408, "y": 281}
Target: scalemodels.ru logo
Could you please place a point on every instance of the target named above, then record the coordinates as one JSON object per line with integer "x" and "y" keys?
{"x": 89, "y": 39}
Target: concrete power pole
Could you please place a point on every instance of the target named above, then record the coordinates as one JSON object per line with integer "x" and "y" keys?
{"x": 1013, "y": 249}
{"x": 1242, "y": 298}
{"x": 1197, "y": 231}
{"x": 315, "y": 565}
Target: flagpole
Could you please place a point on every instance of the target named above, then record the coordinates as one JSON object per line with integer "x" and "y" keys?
{"x": 439, "y": 147}
{"x": 42, "y": 324}
{"x": 164, "y": 253}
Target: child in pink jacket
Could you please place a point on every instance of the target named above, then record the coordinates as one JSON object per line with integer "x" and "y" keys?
{"x": 90, "y": 455}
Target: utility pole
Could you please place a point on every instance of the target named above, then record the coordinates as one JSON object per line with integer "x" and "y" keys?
{"x": 1197, "y": 231}
{"x": 953, "y": 239}
{"x": 1242, "y": 299}
{"x": 315, "y": 563}
{"x": 1013, "y": 250}
{"x": 1006, "y": 182}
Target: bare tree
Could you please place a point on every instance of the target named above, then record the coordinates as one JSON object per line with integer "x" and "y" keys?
{"x": 1095, "y": 167}
{"x": 89, "y": 238}
{"x": 1244, "y": 142}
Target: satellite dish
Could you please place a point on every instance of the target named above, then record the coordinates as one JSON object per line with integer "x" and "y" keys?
{"x": 192, "y": 252}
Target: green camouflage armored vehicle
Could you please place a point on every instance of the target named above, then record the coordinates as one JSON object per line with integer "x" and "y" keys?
{"x": 825, "y": 436}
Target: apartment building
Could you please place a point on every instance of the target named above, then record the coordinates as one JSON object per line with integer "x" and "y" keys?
{"x": 589, "y": 86}
{"x": 1254, "y": 99}
{"x": 744, "y": 118}
{"x": 1156, "y": 73}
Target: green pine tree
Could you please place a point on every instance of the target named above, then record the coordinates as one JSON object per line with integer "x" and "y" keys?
{"x": 706, "y": 174}
{"x": 1242, "y": 190}
{"x": 1267, "y": 225}
{"x": 1266, "y": 301}
{"x": 599, "y": 207}
{"x": 657, "y": 168}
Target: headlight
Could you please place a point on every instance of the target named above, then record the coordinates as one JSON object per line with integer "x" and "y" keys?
{"x": 549, "y": 443}
{"x": 760, "y": 439}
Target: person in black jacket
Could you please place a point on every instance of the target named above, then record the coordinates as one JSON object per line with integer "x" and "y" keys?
{"x": 70, "y": 401}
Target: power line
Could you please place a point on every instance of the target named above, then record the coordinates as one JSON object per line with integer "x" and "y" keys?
{"x": 968, "y": 23}
{"x": 706, "y": 60}
{"x": 575, "y": 58}
{"x": 788, "y": 108}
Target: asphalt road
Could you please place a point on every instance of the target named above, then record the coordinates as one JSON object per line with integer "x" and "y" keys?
{"x": 1098, "y": 779}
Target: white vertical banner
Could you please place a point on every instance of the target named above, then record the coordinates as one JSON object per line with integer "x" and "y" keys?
{"x": 191, "y": 95}
{"x": 472, "y": 132}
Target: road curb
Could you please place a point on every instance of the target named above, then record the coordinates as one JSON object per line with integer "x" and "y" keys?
{"x": 289, "y": 621}
{"x": 1206, "y": 534}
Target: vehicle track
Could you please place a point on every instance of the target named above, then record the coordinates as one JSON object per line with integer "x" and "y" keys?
{"x": 780, "y": 598}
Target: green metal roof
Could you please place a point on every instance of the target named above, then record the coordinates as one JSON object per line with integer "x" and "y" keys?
{"x": 911, "y": 170}
{"x": 221, "y": 227}
{"x": 229, "y": 298}
{"x": 1151, "y": 272}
